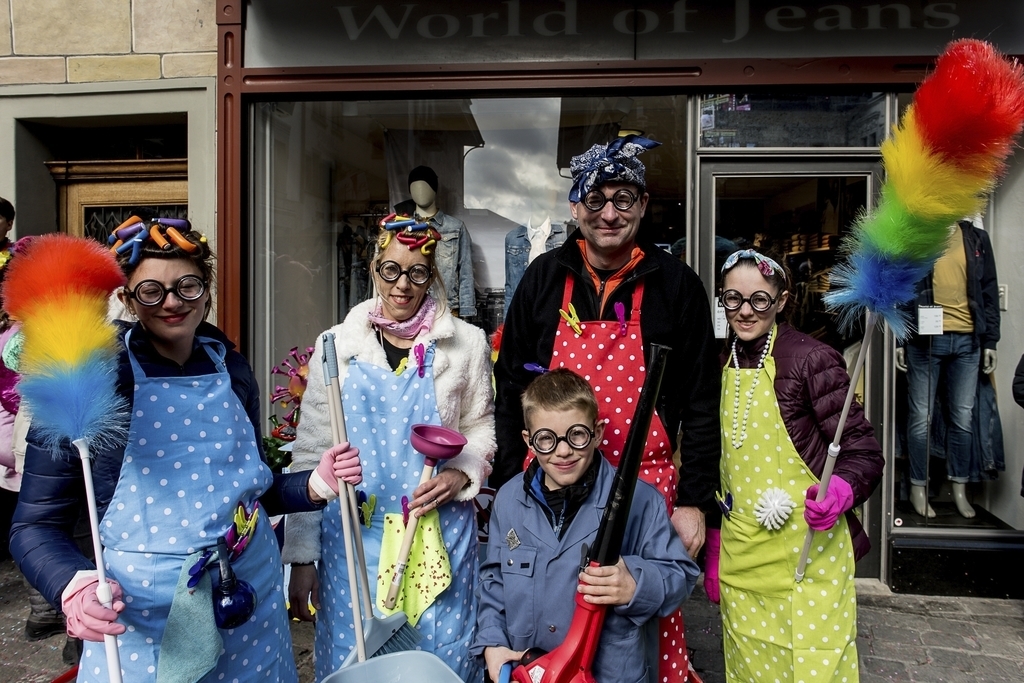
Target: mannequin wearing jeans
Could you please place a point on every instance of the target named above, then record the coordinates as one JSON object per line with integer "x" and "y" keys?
{"x": 963, "y": 282}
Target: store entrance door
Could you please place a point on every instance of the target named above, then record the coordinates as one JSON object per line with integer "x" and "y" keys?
{"x": 798, "y": 211}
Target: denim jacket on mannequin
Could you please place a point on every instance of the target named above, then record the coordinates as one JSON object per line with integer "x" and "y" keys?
{"x": 455, "y": 261}
{"x": 517, "y": 254}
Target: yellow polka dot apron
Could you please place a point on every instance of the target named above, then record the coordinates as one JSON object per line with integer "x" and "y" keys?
{"x": 775, "y": 629}
{"x": 610, "y": 355}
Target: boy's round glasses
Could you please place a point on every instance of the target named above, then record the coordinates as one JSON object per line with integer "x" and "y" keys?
{"x": 545, "y": 441}
{"x": 390, "y": 271}
{"x": 621, "y": 199}
{"x": 153, "y": 293}
{"x": 760, "y": 301}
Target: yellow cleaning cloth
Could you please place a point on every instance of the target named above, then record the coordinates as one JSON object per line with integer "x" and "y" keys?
{"x": 427, "y": 573}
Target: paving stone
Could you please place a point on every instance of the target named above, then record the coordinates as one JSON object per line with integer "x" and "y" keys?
{"x": 949, "y": 658}
{"x": 888, "y": 669}
{"x": 999, "y": 666}
{"x": 945, "y": 625}
{"x": 896, "y": 635}
{"x": 935, "y": 674}
{"x": 911, "y": 654}
{"x": 950, "y": 640}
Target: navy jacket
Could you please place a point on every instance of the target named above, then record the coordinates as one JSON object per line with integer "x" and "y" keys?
{"x": 982, "y": 288}
{"x": 53, "y": 494}
{"x": 675, "y": 312}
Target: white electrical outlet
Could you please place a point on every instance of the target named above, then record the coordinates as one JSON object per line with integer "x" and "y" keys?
{"x": 1004, "y": 304}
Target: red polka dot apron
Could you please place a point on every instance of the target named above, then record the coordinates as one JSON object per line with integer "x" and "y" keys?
{"x": 773, "y": 628}
{"x": 610, "y": 355}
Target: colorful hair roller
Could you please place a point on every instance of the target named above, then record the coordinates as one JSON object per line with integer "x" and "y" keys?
{"x": 135, "y": 245}
{"x": 398, "y": 225}
{"x": 181, "y": 241}
{"x": 161, "y": 241}
{"x": 115, "y": 245}
{"x": 428, "y": 247}
{"x": 387, "y": 218}
{"x": 388, "y": 236}
{"x": 125, "y": 233}
{"x": 179, "y": 223}
{"x": 131, "y": 220}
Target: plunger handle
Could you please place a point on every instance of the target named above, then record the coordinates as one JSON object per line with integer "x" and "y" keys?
{"x": 410, "y": 534}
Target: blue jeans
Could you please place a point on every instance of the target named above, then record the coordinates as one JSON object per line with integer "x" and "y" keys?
{"x": 952, "y": 366}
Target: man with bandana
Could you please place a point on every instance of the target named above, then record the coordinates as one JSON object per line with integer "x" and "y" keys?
{"x": 594, "y": 306}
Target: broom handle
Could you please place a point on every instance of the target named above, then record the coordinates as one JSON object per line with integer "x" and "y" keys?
{"x": 406, "y": 549}
{"x": 330, "y": 365}
{"x": 353, "y": 501}
{"x": 833, "y": 448}
{"x": 103, "y": 593}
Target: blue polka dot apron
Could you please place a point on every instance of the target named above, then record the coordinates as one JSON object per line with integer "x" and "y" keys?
{"x": 380, "y": 410}
{"x": 773, "y": 628}
{"x": 191, "y": 458}
{"x": 610, "y": 356}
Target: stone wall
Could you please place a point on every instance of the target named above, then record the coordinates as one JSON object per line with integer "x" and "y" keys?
{"x": 83, "y": 41}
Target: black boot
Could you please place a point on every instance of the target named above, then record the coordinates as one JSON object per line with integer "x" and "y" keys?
{"x": 72, "y": 651}
{"x": 43, "y": 620}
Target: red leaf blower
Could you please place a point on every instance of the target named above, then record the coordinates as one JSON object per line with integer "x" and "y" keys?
{"x": 570, "y": 662}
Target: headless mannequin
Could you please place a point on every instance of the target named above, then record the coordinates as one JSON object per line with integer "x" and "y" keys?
{"x": 919, "y": 493}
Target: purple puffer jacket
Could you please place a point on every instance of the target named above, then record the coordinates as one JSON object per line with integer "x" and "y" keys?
{"x": 811, "y": 384}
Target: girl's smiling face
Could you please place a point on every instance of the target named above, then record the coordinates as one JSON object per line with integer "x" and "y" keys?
{"x": 747, "y": 323}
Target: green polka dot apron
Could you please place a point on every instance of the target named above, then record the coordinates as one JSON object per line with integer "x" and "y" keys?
{"x": 609, "y": 354}
{"x": 774, "y": 629}
{"x": 380, "y": 409}
{"x": 191, "y": 458}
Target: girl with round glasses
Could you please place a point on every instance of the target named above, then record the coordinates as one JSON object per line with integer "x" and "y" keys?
{"x": 782, "y": 393}
{"x": 403, "y": 359}
{"x": 192, "y": 466}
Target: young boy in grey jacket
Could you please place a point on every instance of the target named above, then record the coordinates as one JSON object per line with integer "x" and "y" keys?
{"x": 539, "y": 522}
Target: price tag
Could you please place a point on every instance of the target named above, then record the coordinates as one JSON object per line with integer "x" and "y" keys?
{"x": 929, "y": 320}
{"x": 721, "y": 324}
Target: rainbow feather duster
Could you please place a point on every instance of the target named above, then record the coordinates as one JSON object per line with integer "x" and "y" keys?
{"x": 58, "y": 288}
{"x": 942, "y": 160}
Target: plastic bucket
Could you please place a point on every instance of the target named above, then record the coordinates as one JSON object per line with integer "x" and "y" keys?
{"x": 414, "y": 666}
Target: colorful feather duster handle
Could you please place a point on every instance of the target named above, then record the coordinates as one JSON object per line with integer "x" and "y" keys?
{"x": 942, "y": 160}
{"x": 58, "y": 288}
{"x": 940, "y": 163}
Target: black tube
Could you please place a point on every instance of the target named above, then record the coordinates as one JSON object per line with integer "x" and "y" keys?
{"x": 608, "y": 543}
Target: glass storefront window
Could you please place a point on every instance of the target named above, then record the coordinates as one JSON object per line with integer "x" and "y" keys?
{"x": 797, "y": 120}
{"x": 323, "y": 173}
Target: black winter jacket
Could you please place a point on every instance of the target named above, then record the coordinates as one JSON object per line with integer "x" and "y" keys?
{"x": 52, "y": 491}
{"x": 811, "y": 382}
{"x": 982, "y": 288}
{"x": 674, "y": 312}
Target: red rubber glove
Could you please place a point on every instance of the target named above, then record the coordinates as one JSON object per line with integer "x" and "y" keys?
{"x": 86, "y": 617}
{"x": 712, "y": 551}
{"x": 838, "y": 499}
{"x": 337, "y": 462}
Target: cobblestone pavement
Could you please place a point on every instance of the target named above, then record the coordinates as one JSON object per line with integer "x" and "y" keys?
{"x": 901, "y": 638}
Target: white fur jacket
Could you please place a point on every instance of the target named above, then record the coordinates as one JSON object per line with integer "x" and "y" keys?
{"x": 465, "y": 401}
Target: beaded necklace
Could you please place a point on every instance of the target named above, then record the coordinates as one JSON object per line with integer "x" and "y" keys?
{"x": 736, "y": 427}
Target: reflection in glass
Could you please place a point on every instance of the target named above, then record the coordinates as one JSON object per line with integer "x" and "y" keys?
{"x": 794, "y": 120}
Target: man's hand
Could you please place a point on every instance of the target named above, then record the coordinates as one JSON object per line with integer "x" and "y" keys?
{"x": 689, "y": 524}
{"x": 988, "y": 361}
{"x": 607, "y": 585}
{"x": 303, "y": 588}
{"x": 496, "y": 656}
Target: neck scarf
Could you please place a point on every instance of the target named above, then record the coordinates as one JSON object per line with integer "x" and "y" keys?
{"x": 421, "y": 321}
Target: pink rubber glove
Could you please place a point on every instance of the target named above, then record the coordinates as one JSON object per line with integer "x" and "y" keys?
{"x": 337, "y": 462}
{"x": 712, "y": 550}
{"x": 85, "y": 617}
{"x": 838, "y": 499}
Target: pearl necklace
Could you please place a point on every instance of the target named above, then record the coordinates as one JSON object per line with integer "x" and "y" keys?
{"x": 736, "y": 428}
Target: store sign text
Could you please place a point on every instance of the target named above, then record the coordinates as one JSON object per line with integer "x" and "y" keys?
{"x": 511, "y": 22}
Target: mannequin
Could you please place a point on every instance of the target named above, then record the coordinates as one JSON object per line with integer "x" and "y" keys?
{"x": 455, "y": 252}
{"x": 526, "y": 242}
{"x": 963, "y": 283}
